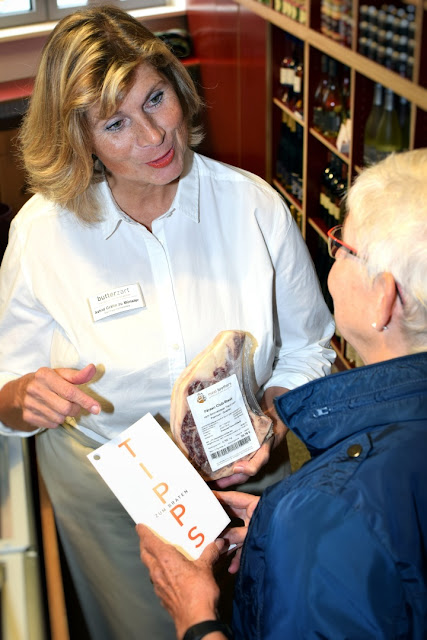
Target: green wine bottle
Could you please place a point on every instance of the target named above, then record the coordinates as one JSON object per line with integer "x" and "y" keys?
{"x": 371, "y": 128}
{"x": 404, "y": 121}
{"x": 389, "y": 136}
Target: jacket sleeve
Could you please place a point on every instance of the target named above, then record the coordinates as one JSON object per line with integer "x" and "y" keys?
{"x": 328, "y": 574}
{"x": 303, "y": 324}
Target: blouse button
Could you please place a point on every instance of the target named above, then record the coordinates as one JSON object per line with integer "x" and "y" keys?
{"x": 354, "y": 450}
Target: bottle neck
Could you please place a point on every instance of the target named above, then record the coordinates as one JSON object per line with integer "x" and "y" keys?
{"x": 389, "y": 100}
{"x": 378, "y": 95}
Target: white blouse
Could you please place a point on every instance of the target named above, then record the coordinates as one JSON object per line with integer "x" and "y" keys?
{"x": 227, "y": 255}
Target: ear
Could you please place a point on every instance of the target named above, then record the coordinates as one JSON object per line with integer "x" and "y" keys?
{"x": 386, "y": 293}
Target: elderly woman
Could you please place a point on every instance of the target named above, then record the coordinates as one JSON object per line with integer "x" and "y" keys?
{"x": 338, "y": 550}
{"x": 132, "y": 256}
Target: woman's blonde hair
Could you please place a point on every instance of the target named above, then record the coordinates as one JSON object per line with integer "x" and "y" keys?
{"x": 388, "y": 205}
{"x": 90, "y": 58}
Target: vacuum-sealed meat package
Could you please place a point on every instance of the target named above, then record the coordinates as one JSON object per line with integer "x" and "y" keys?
{"x": 215, "y": 417}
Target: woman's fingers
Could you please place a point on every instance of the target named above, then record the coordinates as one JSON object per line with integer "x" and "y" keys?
{"x": 48, "y": 396}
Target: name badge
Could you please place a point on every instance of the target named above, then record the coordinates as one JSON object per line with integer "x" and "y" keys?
{"x": 115, "y": 301}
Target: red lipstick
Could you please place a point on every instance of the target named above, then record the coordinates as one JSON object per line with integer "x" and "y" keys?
{"x": 162, "y": 162}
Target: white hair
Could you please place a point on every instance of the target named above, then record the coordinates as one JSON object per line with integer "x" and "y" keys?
{"x": 388, "y": 205}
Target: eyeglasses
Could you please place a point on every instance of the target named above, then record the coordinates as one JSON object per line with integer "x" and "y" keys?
{"x": 336, "y": 242}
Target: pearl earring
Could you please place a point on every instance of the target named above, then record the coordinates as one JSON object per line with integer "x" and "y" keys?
{"x": 374, "y": 325}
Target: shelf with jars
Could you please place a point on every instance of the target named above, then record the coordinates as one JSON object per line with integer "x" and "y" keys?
{"x": 346, "y": 87}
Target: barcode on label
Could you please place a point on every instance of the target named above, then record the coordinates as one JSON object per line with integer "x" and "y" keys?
{"x": 231, "y": 447}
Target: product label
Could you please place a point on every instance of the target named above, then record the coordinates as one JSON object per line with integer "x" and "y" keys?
{"x": 108, "y": 303}
{"x": 223, "y": 422}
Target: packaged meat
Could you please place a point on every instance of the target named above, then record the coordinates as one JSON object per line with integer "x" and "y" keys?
{"x": 215, "y": 417}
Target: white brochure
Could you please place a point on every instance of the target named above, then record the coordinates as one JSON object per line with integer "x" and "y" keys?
{"x": 223, "y": 422}
{"x": 159, "y": 487}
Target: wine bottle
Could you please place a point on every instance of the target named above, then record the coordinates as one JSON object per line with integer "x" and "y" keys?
{"x": 324, "y": 190}
{"x": 334, "y": 197}
{"x": 340, "y": 191}
{"x": 325, "y": 17}
{"x": 293, "y": 156}
{"x": 296, "y": 99}
{"x": 318, "y": 94}
{"x": 345, "y": 82}
{"x": 285, "y": 77}
{"x": 287, "y": 70}
{"x": 326, "y": 197}
{"x": 371, "y": 128}
{"x": 404, "y": 119}
{"x": 389, "y": 136}
{"x": 298, "y": 162}
{"x": 332, "y": 104}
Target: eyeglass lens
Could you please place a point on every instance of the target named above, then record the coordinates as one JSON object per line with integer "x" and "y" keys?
{"x": 335, "y": 241}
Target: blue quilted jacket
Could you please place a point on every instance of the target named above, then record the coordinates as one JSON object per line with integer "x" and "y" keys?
{"x": 338, "y": 550}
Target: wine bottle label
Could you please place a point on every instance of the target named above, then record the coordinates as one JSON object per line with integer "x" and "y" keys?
{"x": 286, "y": 76}
{"x": 297, "y": 84}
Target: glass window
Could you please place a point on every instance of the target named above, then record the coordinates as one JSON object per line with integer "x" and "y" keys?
{"x": 16, "y": 12}
{"x": 6, "y": 6}
{"x": 13, "y": 12}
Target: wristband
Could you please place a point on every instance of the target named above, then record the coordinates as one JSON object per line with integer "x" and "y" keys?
{"x": 201, "y": 629}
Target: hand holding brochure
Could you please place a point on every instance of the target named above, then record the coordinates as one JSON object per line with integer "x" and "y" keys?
{"x": 159, "y": 487}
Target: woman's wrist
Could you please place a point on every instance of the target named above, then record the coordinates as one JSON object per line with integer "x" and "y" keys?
{"x": 195, "y": 613}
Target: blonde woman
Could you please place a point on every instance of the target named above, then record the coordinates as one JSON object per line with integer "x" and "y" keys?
{"x": 132, "y": 256}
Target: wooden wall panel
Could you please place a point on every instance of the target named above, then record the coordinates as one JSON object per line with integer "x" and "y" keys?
{"x": 230, "y": 44}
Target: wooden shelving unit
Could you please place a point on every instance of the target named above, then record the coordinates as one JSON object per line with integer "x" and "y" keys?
{"x": 364, "y": 73}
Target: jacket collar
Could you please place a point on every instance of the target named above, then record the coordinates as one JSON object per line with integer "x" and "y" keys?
{"x": 328, "y": 410}
{"x": 186, "y": 199}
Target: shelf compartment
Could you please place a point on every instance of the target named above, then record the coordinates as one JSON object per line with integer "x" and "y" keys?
{"x": 297, "y": 204}
{"x": 294, "y": 114}
{"x": 329, "y": 145}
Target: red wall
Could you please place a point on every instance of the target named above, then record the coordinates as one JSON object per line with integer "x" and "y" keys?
{"x": 231, "y": 45}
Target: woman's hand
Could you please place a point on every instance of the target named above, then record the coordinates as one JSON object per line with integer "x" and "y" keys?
{"x": 243, "y": 470}
{"x": 45, "y": 398}
{"x": 240, "y": 505}
{"x": 186, "y": 588}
